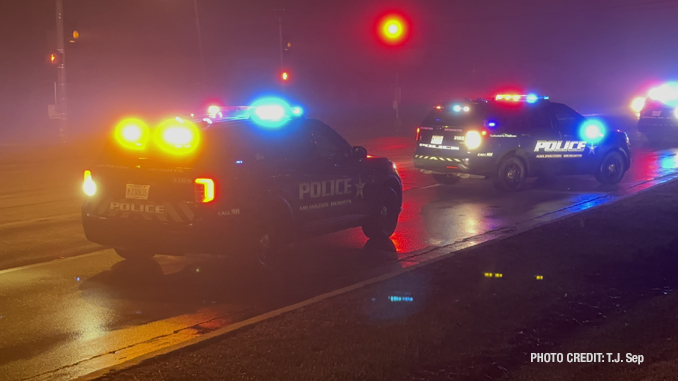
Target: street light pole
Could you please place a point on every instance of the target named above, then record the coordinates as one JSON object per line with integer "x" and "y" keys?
{"x": 61, "y": 101}
{"x": 202, "y": 55}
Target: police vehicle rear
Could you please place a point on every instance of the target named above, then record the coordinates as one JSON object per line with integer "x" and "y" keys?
{"x": 512, "y": 137}
{"x": 658, "y": 119}
{"x": 223, "y": 185}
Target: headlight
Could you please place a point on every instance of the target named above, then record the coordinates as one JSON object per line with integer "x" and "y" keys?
{"x": 675, "y": 112}
{"x": 473, "y": 139}
{"x": 88, "y": 185}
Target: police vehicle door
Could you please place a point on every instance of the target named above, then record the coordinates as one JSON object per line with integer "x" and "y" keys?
{"x": 338, "y": 191}
{"x": 568, "y": 122}
{"x": 539, "y": 141}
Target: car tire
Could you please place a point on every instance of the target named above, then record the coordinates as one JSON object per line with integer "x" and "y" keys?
{"x": 384, "y": 218}
{"x": 510, "y": 175}
{"x": 270, "y": 241}
{"x": 611, "y": 169}
{"x": 135, "y": 255}
{"x": 447, "y": 179}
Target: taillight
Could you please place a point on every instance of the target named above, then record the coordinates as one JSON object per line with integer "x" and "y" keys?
{"x": 418, "y": 134}
{"x": 473, "y": 139}
{"x": 88, "y": 185}
{"x": 204, "y": 190}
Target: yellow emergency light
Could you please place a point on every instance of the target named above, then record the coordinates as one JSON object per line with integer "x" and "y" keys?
{"x": 132, "y": 134}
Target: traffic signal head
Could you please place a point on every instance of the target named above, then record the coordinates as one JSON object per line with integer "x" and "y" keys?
{"x": 55, "y": 58}
{"x": 393, "y": 29}
{"x": 284, "y": 76}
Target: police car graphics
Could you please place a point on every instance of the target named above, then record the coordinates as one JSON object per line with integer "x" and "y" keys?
{"x": 267, "y": 177}
{"x": 511, "y": 137}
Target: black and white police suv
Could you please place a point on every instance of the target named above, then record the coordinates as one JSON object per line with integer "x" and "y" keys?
{"x": 209, "y": 187}
{"x": 512, "y": 137}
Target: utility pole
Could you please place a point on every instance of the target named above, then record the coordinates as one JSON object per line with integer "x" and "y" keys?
{"x": 396, "y": 102}
{"x": 282, "y": 65}
{"x": 203, "y": 77}
{"x": 61, "y": 100}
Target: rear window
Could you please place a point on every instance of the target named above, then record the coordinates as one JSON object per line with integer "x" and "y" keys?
{"x": 221, "y": 143}
{"x": 479, "y": 115}
{"x": 651, "y": 104}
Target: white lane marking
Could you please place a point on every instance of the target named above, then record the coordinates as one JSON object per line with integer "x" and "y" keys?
{"x": 425, "y": 258}
{"x": 62, "y": 217}
{"x": 51, "y": 262}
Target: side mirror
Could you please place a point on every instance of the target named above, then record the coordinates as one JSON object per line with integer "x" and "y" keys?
{"x": 359, "y": 152}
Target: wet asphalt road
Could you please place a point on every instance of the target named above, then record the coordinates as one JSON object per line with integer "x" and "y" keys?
{"x": 68, "y": 317}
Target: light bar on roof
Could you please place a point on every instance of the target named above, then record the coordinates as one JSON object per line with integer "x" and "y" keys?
{"x": 529, "y": 98}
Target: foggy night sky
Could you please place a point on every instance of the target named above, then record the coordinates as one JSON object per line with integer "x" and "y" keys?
{"x": 142, "y": 55}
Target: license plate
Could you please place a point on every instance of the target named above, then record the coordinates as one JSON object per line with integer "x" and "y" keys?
{"x": 436, "y": 139}
{"x": 656, "y": 113}
{"x": 137, "y": 192}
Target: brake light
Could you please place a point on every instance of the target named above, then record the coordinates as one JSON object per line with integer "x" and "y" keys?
{"x": 418, "y": 133}
{"x": 204, "y": 190}
{"x": 88, "y": 185}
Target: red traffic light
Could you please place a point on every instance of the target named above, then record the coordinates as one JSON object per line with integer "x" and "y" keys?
{"x": 284, "y": 76}
{"x": 393, "y": 29}
{"x": 55, "y": 58}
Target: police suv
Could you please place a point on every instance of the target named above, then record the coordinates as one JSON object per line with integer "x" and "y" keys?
{"x": 658, "y": 120}
{"x": 263, "y": 180}
{"x": 512, "y": 137}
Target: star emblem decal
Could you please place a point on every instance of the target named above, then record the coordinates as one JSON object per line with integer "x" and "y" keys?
{"x": 592, "y": 149}
{"x": 359, "y": 188}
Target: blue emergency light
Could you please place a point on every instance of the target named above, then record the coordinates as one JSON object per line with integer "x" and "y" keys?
{"x": 592, "y": 130}
{"x": 529, "y": 98}
{"x": 273, "y": 112}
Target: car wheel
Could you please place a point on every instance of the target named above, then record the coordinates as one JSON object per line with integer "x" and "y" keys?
{"x": 447, "y": 179}
{"x": 138, "y": 255}
{"x": 611, "y": 169}
{"x": 511, "y": 174}
{"x": 384, "y": 219}
{"x": 270, "y": 242}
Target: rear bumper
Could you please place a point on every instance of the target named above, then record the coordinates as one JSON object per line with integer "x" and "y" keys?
{"x": 482, "y": 166}
{"x": 658, "y": 127}
{"x": 213, "y": 237}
